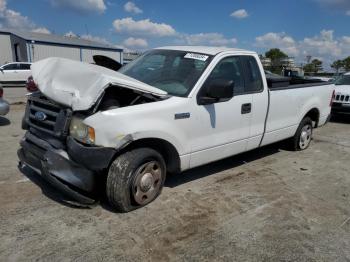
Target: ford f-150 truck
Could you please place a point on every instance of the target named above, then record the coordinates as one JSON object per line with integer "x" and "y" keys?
{"x": 341, "y": 103}
{"x": 172, "y": 109}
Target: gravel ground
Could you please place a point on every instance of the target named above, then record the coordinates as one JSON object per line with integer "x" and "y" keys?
{"x": 266, "y": 205}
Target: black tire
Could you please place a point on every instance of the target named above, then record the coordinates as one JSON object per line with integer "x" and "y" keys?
{"x": 121, "y": 181}
{"x": 296, "y": 142}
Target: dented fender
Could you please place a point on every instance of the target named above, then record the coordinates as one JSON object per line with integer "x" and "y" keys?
{"x": 119, "y": 127}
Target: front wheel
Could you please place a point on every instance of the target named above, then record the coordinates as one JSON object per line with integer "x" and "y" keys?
{"x": 303, "y": 135}
{"x": 135, "y": 179}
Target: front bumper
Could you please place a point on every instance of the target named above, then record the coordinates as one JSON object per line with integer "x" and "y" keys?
{"x": 340, "y": 108}
{"x": 75, "y": 171}
{"x": 4, "y": 107}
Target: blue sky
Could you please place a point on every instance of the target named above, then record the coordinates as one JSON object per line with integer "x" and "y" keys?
{"x": 319, "y": 28}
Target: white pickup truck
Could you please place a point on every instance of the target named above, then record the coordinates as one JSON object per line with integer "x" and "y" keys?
{"x": 172, "y": 109}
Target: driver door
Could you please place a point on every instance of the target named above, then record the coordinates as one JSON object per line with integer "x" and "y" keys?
{"x": 222, "y": 129}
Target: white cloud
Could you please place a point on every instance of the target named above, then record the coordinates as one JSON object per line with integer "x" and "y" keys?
{"x": 41, "y": 30}
{"x": 212, "y": 39}
{"x": 70, "y": 34}
{"x": 279, "y": 40}
{"x": 132, "y": 8}
{"x": 324, "y": 46}
{"x": 348, "y": 13}
{"x": 97, "y": 39}
{"x": 143, "y": 27}
{"x": 14, "y": 20}
{"x": 86, "y": 6}
{"x": 240, "y": 14}
{"x": 132, "y": 42}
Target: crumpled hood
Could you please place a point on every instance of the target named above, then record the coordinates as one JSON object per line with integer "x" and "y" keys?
{"x": 79, "y": 85}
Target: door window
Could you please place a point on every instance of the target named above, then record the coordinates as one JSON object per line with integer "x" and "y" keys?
{"x": 230, "y": 69}
{"x": 10, "y": 67}
{"x": 253, "y": 79}
{"x": 24, "y": 67}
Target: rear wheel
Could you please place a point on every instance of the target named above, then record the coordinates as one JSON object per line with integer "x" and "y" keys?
{"x": 303, "y": 135}
{"x": 135, "y": 179}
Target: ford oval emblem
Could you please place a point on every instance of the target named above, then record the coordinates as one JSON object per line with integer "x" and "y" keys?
{"x": 40, "y": 116}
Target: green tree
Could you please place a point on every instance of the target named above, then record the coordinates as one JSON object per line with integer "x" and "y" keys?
{"x": 346, "y": 63}
{"x": 314, "y": 67}
{"x": 309, "y": 68}
{"x": 318, "y": 65}
{"x": 337, "y": 65}
{"x": 276, "y": 55}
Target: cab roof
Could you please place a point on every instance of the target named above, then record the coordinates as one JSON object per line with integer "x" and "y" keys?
{"x": 208, "y": 50}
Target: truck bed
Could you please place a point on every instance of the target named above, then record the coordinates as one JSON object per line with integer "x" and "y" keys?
{"x": 276, "y": 82}
{"x": 289, "y": 104}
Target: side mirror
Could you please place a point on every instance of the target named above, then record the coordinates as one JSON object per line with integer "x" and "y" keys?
{"x": 1, "y": 69}
{"x": 217, "y": 90}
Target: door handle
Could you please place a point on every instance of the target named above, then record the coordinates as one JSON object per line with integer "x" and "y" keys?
{"x": 246, "y": 108}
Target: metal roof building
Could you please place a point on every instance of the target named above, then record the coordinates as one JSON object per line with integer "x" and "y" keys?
{"x": 18, "y": 46}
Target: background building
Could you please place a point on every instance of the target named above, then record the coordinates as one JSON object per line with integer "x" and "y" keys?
{"x": 18, "y": 46}
{"x": 266, "y": 62}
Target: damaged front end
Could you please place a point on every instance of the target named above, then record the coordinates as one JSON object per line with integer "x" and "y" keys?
{"x": 49, "y": 149}
{"x": 57, "y": 144}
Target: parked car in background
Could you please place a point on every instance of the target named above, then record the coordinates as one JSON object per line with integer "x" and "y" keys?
{"x": 320, "y": 78}
{"x": 341, "y": 104}
{"x": 14, "y": 74}
{"x": 4, "y": 105}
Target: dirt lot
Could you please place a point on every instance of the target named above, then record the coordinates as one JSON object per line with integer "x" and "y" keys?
{"x": 266, "y": 205}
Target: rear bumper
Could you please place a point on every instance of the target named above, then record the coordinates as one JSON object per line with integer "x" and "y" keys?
{"x": 4, "y": 107}
{"x": 58, "y": 167}
{"x": 340, "y": 108}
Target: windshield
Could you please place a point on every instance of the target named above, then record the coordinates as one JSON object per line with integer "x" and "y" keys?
{"x": 175, "y": 72}
{"x": 343, "y": 80}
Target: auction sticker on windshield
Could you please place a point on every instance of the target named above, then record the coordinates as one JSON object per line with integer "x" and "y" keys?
{"x": 196, "y": 56}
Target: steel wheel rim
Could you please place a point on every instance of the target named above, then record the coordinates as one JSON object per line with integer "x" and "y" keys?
{"x": 147, "y": 182}
{"x": 305, "y": 136}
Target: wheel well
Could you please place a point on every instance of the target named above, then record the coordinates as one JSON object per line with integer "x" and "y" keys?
{"x": 314, "y": 114}
{"x": 166, "y": 149}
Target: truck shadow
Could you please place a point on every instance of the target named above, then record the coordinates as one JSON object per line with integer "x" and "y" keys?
{"x": 342, "y": 119}
{"x": 172, "y": 181}
{"x": 222, "y": 165}
{"x": 4, "y": 121}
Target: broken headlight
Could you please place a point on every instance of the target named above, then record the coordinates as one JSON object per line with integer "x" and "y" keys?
{"x": 81, "y": 132}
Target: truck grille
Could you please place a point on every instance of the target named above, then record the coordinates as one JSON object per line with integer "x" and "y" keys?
{"x": 46, "y": 116}
{"x": 342, "y": 98}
